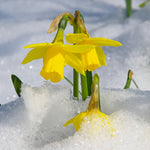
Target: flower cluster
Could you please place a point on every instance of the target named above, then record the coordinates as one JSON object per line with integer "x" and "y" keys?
{"x": 86, "y": 54}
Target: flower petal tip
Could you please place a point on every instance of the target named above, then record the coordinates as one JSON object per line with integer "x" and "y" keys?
{"x": 119, "y": 44}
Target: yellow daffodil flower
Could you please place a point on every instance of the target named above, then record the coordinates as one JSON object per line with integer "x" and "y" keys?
{"x": 94, "y": 58}
{"x": 55, "y": 56}
{"x": 88, "y": 117}
{"x": 92, "y": 115}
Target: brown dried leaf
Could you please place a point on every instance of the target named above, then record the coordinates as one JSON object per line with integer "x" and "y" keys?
{"x": 54, "y": 25}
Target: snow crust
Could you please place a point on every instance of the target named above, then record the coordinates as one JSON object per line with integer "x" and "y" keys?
{"x": 36, "y": 120}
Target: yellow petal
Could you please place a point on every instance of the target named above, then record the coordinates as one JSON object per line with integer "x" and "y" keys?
{"x": 90, "y": 60}
{"x": 54, "y": 64}
{"x": 76, "y": 120}
{"x": 101, "y": 56}
{"x": 46, "y": 44}
{"x": 76, "y": 38}
{"x": 74, "y": 62}
{"x": 78, "y": 48}
{"x": 105, "y": 42}
{"x": 35, "y": 53}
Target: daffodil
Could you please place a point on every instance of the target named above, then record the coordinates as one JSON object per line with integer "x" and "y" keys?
{"x": 88, "y": 117}
{"x": 55, "y": 56}
{"x": 92, "y": 115}
{"x": 94, "y": 58}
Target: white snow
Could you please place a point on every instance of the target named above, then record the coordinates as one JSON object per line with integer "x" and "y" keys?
{"x": 36, "y": 120}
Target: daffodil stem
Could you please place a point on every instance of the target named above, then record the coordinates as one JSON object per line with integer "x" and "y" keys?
{"x": 79, "y": 27}
{"x": 129, "y": 7}
{"x": 89, "y": 81}
{"x": 84, "y": 87}
{"x": 75, "y": 84}
{"x": 129, "y": 78}
{"x": 128, "y": 83}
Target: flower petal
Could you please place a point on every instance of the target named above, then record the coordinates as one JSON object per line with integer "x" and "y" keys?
{"x": 78, "y": 48}
{"x": 105, "y": 42}
{"x": 77, "y": 120}
{"x": 76, "y": 37}
{"x": 35, "y": 53}
{"x": 73, "y": 61}
{"x": 53, "y": 65}
{"x": 101, "y": 56}
{"x": 46, "y": 44}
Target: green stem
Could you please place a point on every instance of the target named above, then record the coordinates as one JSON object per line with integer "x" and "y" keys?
{"x": 128, "y": 83}
{"x": 84, "y": 87}
{"x": 129, "y": 7}
{"x": 75, "y": 73}
{"x": 129, "y": 78}
{"x": 79, "y": 27}
{"x": 75, "y": 84}
{"x": 89, "y": 81}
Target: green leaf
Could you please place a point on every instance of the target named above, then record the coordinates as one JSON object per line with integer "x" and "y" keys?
{"x": 144, "y": 3}
{"x": 72, "y": 84}
{"x": 17, "y": 84}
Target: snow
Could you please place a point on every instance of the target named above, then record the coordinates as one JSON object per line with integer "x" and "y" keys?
{"x": 35, "y": 121}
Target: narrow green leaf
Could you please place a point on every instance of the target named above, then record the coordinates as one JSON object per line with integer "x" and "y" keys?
{"x": 72, "y": 84}
{"x": 17, "y": 84}
{"x": 135, "y": 83}
{"x": 144, "y": 3}
{"x": 68, "y": 80}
